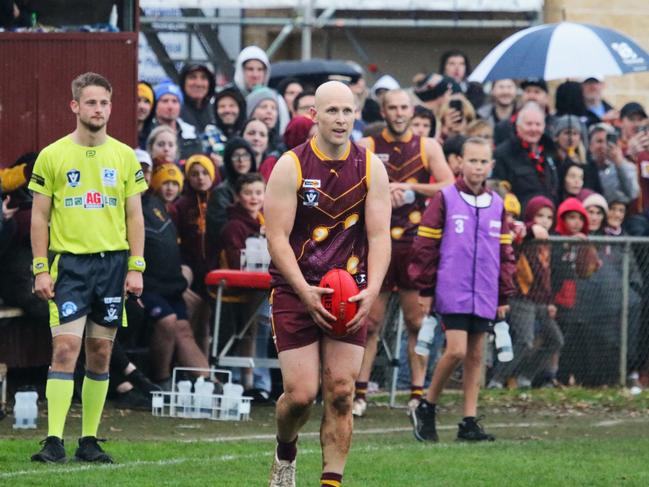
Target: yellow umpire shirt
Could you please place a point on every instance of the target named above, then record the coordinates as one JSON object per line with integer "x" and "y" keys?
{"x": 89, "y": 187}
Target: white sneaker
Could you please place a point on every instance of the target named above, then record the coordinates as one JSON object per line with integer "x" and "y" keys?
{"x": 494, "y": 384}
{"x": 523, "y": 382}
{"x": 412, "y": 405}
{"x": 282, "y": 473}
{"x": 359, "y": 407}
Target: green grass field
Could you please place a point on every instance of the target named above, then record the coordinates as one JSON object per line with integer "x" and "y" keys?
{"x": 544, "y": 438}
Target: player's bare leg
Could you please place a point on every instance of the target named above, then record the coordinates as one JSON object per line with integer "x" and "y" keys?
{"x": 341, "y": 363}
{"x": 456, "y": 344}
{"x": 301, "y": 378}
{"x": 374, "y": 323}
{"x": 471, "y": 376}
{"x": 412, "y": 316}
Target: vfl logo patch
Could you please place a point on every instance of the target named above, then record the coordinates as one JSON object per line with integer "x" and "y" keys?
{"x": 311, "y": 197}
{"x": 384, "y": 157}
{"x": 109, "y": 176}
{"x": 111, "y": 313}
{"x": 74, "y": 178}
{"x": 68, "y": 309}
{"x": 311, "y": 183}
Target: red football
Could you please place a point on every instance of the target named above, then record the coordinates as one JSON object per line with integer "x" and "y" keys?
{"x": 337, "y": 303}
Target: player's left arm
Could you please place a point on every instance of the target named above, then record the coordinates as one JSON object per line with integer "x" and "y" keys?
{"x": 506, "y": 286}
{"x": 378, "y": 210}
{"x": 135, "y": 237}
{"x": 437, "y": 167}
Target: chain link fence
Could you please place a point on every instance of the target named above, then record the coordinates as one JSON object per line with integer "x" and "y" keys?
{"x": 580, "y": 317}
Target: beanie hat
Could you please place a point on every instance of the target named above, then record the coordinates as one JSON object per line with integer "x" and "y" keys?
{"x": 201, "y": 160}
{"x": 145, "y": 91}
{"x": 166, "y": 172}
{"x": 297, "y": 131}
{"x": 257, "y": 96}
{"x": 566, "y": 122}
{"x": 535, "y": 204}
{"x": 512, "y": 205}
{"x": 169, "y": 88}
{"x": 596, "y": 199}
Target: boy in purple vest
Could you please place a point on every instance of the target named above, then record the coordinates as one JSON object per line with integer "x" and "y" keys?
{"x": 463, "y": 252}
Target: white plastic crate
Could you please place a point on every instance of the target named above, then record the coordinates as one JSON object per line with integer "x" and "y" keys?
{"x": 187, "y": 403}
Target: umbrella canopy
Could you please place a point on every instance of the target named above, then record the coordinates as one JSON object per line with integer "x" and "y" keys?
{"x": 564, "y": 50}
{"x": 313, "y": 72}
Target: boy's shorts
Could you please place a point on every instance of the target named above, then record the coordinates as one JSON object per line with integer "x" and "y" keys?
{"x": 472, "y": 324}
{"x": 158, "y": 307}
{"x": 89, "y": 285}
{"x": 293, "y": 326}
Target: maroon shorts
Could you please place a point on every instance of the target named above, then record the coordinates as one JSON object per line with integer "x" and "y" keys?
{"x": 397, "y": 275}
{"x": 293, "y": 326}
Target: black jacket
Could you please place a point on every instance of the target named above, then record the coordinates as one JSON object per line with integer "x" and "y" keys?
{"x": 198, "y": 116}
{"x": 514, "y": 165}
{"x": 161, "y": 252}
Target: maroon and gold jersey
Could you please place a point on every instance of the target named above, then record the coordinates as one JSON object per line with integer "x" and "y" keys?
{"x": 405, "y": 161}
{"x": 329, "y": 228}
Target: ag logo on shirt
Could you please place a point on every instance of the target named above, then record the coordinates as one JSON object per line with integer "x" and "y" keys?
{"x": 74, "y": 178}
{"x": 311, "y": 197}
{"x": 109, "y": 177}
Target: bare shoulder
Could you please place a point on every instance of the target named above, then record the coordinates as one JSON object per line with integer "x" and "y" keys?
{"x": 286, "y": 173}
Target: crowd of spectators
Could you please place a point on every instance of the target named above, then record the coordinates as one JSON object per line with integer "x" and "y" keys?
{"x": 207, "y": 151}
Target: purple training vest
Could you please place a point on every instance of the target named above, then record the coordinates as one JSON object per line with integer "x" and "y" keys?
{"x": 469, "y": 266}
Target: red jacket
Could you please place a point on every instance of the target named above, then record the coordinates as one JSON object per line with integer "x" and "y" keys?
{"x": 239, "y": 227}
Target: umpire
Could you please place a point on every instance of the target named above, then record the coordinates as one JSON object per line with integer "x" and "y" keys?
{"x": 87, "y": 213}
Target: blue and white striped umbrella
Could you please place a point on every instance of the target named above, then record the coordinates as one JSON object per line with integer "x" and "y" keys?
{"x": 564, "y": 50}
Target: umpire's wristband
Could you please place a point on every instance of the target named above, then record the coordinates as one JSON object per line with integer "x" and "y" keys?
{"x": 136, "y": 263}
{"x": 40, "y": 265}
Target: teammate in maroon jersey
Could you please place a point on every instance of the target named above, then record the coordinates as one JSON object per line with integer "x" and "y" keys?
{"x": 410, "y": 161}
{"x": 327, "y": 205}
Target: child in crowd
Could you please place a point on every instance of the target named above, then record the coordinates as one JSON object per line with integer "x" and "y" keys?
{"x": 453, "y": 152}
{"x": 463, "y": 250}
{"x": 423, "y": 122}
{"x": 245, "y": 221}
{"x": 167, "y": 183}
{"x": 190, "y": 221}
{"x": 537, "y": 337}
{"x": 571, "y": 262}
{"x": 162, "y": 145}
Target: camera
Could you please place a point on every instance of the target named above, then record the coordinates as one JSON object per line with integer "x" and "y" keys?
{"x": 611, "y": 139}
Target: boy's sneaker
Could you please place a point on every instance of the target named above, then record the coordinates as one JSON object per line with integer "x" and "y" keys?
{"x": 282, "y": 473}
{"x": 523, "y": 382}
{"x": 423, "y": 422}
{"x": 495, "y": 384}
{"x": 359, "y": 407}
{"x": 142, "y": 382}
{"x": 471, "y": 430}
{"x": 90, "y": 451}
{"x": 52, "y": 451}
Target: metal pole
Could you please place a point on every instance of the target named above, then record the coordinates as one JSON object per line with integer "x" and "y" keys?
{"x": 624, "y": 318}
{"x": 217, "y": 323}
{"x": 396, "y": 360}
{"x": 306, "y": 30}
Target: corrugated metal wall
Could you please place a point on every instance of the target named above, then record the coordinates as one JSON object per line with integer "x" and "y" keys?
{"x": 35, "y": 75}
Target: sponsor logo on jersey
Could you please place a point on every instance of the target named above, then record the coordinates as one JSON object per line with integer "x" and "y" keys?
{"x": 113, "y": 300}
{"x": 109, "y": 176}
{"x": 74, "y": 178}
{"x": 311, "y": 183}
{"x": 383, "y": 157}
{"x": 91, "y": 153}
{"x": 91, "y": 200}
{"x": 36, "y": 179}
{"x": 311, "y": 197}
{"x": 139, "y": 175}
{"x": 68, "y": 309}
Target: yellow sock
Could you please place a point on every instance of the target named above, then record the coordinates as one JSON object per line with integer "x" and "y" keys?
{"x": 93, "y": 397}
{"x": 58, "y": 392}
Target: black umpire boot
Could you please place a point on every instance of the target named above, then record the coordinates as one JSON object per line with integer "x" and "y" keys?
{"x": 52, "y": 451}
{"x": 90, "y": 451}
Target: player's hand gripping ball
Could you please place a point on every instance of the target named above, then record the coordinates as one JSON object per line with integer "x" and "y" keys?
{"x": 337, "y": 303}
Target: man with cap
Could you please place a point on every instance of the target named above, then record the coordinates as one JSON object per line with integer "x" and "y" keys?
{"x": 599, "y": 110}
{"x": 536, "y": 90}
{"x": 169, "y": 101}
{"x": 197, "y": 84}
{"x": 634, "y": 137}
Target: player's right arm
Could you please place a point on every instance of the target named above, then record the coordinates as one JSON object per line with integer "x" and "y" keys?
{"x": 41, "y": 206}
{"x": 280, "y": 207}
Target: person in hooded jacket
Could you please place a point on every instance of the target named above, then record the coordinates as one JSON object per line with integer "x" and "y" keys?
{"x": 229, "y": 111}
{"x": 299, "y": 130}
{"x": 238, "y": 158}
{"x": 197, "y": 84}
{"x": 252, "y": 70}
